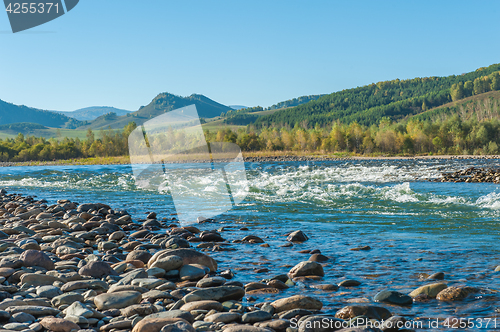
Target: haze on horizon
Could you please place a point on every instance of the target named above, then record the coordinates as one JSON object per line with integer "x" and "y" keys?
{"x": 259, "y": 53}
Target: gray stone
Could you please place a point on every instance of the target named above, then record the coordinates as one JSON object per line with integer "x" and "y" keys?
{"x": 33, "y": 310}
{"x": 22, "y": 317}
{"x": 67, "y": 298}
{"x": 223, "y": 317}
{"x": 186, "y": 315}
{"x": 97, "y": 269}
{"x": 307, "y": 268}
{"x": 33, "y": 279}
{"x": 211, "y": 282}
{"x": 117, "y": 300}
{"x": 393, "y": 297}
{"x": 16, "y": 326}
{"x": 221, "y": 293}
{"x": 189, "y": 256}
{"x": 168, "y": 263}
{"x": 36, "y": 258}
{"x": 297, "y": 236}
{"x": 193, "y": 272}
{"x": 48, "y": 291}
{"x": 178, "y": 327}
{"x": 255, "y": 316}
{"x": 78, "y": 309}
{"x": 297, "y": 302}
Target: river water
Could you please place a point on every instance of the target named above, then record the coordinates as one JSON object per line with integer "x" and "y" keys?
{"x": 412, "y": 226}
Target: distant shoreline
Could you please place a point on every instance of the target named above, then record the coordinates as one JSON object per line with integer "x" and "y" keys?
{"x": 251, "y": 157}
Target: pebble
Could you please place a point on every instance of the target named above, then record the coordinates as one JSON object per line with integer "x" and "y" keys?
{"x": 88, "y": 267}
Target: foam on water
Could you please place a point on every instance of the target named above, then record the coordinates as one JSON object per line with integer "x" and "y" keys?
{"x": 385, "y": 187}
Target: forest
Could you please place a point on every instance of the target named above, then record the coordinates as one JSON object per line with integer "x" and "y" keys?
{"x": 451, "y": 136}
{"x": 423, "y": 116}
{"x": 396, "y": 99}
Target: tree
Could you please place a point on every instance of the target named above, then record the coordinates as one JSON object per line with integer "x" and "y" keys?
{"x": 495, "y": 81}
{"x": 468, "y": 88}
{"x": 457, "y": 91}
{"x": 90, "y": 136}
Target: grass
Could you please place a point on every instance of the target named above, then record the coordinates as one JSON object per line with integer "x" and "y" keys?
{"x": 56, "y": 133}
{"x": 214, "y": 126}
{"x": 479, "y": 97}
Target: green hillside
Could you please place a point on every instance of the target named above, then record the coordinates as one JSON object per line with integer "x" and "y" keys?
{"x": 37, "y": 130}
{"x": 91, "y": 113}
{"x": 162, "y": 103}
{"x": 10, "y": 113}
{"x": 294, "y": 102}
{"x": 482, "y": 107}
{"x": 367, "y": 105}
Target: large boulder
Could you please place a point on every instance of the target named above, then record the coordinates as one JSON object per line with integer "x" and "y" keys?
{"x": 307, "y": 268}
{"x": 155, "y": 324}
{"x": 58, "y": 324}
{"x": 393, "y": 297}
{"x": 297, "y": 236}
{"x": 97, "y": 269}
{"x": 372, "y": 312}
{"x": 36, "y": 258}
{"x": 221, "y": 294}
{"x": 244, "y": 328}
{"x": 189, "y": 256}
{"x": 168, "y": 263}
{"x": 117, "y": 300}
{"x": 34, "y": 279}
{"x": 297, "y": 302}
{"x": 178, "y": 327}
{"x": 141, "y": 255}
{"x": 455, "y": 293}
{"x": 203, "y": 305}
{"x": 431, "y": 290}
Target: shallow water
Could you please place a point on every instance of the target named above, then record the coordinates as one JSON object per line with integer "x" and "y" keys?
{"x": 413, "y": 226}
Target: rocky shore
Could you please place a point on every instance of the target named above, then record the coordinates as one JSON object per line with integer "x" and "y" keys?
{"x": 88, "y": 267}
{"x": 471, "y": 174}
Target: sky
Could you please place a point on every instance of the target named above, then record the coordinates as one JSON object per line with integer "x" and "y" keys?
{"x": 123, "y": 53}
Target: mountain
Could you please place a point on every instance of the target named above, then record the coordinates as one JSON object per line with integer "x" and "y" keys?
{"x": 237, "y": 107}
{"x": 11, "y": 113}
{"x": 396, "y": 99}
{"x": 164, "y": 102}
{"x": 91, "y": 113}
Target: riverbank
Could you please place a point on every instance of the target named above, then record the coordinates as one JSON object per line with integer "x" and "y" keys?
{"x": 254, "y": 157}
{"x": 69, "y": 266}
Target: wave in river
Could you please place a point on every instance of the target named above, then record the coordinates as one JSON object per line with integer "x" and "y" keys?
{"x": 381, "y": 186}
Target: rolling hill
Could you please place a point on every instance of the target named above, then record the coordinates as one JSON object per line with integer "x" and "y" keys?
{"x": 164, "y": 102}
{"x": 237, "y": 107}
{"x": 484, "y": 106}
{"x": 11, "y": 113}
{"x": 367, "y": 105}
{"x": 91, "y": 113}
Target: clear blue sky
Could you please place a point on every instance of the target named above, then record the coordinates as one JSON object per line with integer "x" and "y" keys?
{"x": 123, "y": 53}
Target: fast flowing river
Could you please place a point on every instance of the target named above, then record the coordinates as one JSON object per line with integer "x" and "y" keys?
{"x": 412, "y": 226}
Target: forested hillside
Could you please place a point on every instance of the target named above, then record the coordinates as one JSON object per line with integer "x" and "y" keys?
{"x": 10, "y": 113}
{"x": 294, "y": 102}
{"x": 395, "y": 99}
{"x": 162, "y": 103}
